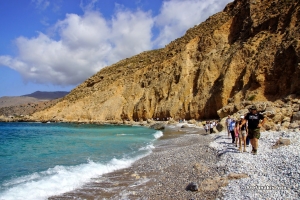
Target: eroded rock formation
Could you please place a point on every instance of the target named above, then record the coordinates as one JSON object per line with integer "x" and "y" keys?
{"x": 250, "y": 51}
{"x": 281, "y": 114}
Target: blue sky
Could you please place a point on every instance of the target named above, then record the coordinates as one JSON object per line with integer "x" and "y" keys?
{"x": 54, "y": 45}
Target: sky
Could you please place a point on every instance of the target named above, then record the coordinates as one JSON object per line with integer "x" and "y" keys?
{"x": 54, "y": 45}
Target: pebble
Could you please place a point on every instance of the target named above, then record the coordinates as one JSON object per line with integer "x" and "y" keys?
{"x": 170, "y": 170}
{"x": 206, "y": 161}
{"x": 273, "y": 173}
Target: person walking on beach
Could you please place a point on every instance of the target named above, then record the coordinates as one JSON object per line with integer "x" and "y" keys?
{"x": 231, "y": 129}
{"x": 211, "y": 127}
{"x": 255, "y": 122}
{"x": 207, "y": 126}
{"x": 236, "y": 135}
{"x": 243, "y": 134}
{"x": 228, "y": 121}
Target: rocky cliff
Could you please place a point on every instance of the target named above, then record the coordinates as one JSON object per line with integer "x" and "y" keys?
{"x": 249, "y": 51}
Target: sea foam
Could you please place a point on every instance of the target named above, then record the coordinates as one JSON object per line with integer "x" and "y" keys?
{"x": 158, "y": 134}
{"x": 59, "y": 180}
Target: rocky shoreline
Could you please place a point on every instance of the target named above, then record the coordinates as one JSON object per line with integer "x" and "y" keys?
{"x": 187, "y": 163}
{"x": 183, "y": 156}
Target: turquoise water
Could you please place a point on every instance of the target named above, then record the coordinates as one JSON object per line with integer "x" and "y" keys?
{"x": 41, "y": 160}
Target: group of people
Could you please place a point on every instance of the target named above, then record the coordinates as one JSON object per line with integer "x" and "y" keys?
{"x": 245, "y": 129}
{"x": 209, "y": 126}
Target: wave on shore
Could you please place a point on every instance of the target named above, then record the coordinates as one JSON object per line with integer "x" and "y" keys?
{"x": 62, "y": 179}
{"x": 59, "y": 179}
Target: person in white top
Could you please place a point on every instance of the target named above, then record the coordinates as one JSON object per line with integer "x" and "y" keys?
{"x": 214, "y": 123}
{"x": 228, "y": 121}
{"x": 211, "y": 127}
{"x": 207, "y": 126}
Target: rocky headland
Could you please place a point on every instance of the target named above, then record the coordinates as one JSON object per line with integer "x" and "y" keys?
{"x": 249, "y": 52}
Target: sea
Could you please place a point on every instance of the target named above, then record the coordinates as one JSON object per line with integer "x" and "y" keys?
{"x": 40, "y": 160}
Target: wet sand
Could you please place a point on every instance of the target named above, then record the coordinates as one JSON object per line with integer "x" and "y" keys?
{"x": 180, "y": 157}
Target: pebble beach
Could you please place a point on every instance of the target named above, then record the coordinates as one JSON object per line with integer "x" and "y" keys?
{"x": 187, "y": 163}
{"x": 274, "y": 173}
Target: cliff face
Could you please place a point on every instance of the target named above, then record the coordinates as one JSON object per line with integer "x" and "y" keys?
{"x": 250, "y": 51}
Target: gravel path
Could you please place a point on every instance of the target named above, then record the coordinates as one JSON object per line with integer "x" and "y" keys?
{"x": 172, "y": 169}
{"x": 273, "y": 173}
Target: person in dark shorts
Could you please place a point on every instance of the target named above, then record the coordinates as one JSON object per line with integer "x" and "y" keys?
{"x": 231, "y": 129}
{"x": 255, "y": 122}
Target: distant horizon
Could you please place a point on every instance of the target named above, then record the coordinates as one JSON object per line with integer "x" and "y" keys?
{"x": 24, "y": 95}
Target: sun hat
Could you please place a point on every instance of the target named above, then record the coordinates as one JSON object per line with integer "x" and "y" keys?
{"x": 242, "y": 117}
{"x": 253, "y": 107}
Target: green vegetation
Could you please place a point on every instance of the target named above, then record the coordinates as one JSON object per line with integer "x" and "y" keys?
{"x": 252, "y": 97}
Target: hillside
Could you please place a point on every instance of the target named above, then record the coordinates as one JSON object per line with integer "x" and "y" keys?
{"x": 249, "y": 51}
{"x": 14, "y": 101}
{"x": 47, "y": 95}
{"x": 27, "y": 108}
{"x": 29, "y": 103}
{"x": 34, "y": 97}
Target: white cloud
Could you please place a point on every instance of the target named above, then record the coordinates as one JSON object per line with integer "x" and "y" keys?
{"x": 41, "y": 4}
{"x": 89, "y": 6}
{"x": 85, "y": 44}
{"x": 177, "y": 16}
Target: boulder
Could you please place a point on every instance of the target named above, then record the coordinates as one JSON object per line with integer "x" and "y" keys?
{"x": 223, "y": 122}
{"x": 220, "y": 127}
{"x": 290, "y": 97}
{"x": 149, "y": 121}
{"x": 277, "y": 118}
{"x": 294, "y": 125}
{"x": 158, "y": 126}
{"x": 270, "y": 112}
{"x": 286, "y": 119}
{"x": 192, "y": 187}
{"x": 239, "y": 106}
{"x": 287, "y": 111}
{"x": 242, "y": 112}
{"x": 192, "y": 121}
{"x": 172, "y": 121}
{"x": 295, "y": 107}
{"x": 226, "y": 110}
{"x": 185, "y": 126}
{"x": 269, "y": 125}
{"x": 199, "y": 124}
{"x": 296, "y": 116}
{"x": 277, "y": 127}
{"x": 246, "y": 103}
{"x": 285, "y": 124}
{"x": 281, "y": 142}
{"x": 279, "y": 103}
{"x": 215, "y": 130}
{"x": 261, "y": 106}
